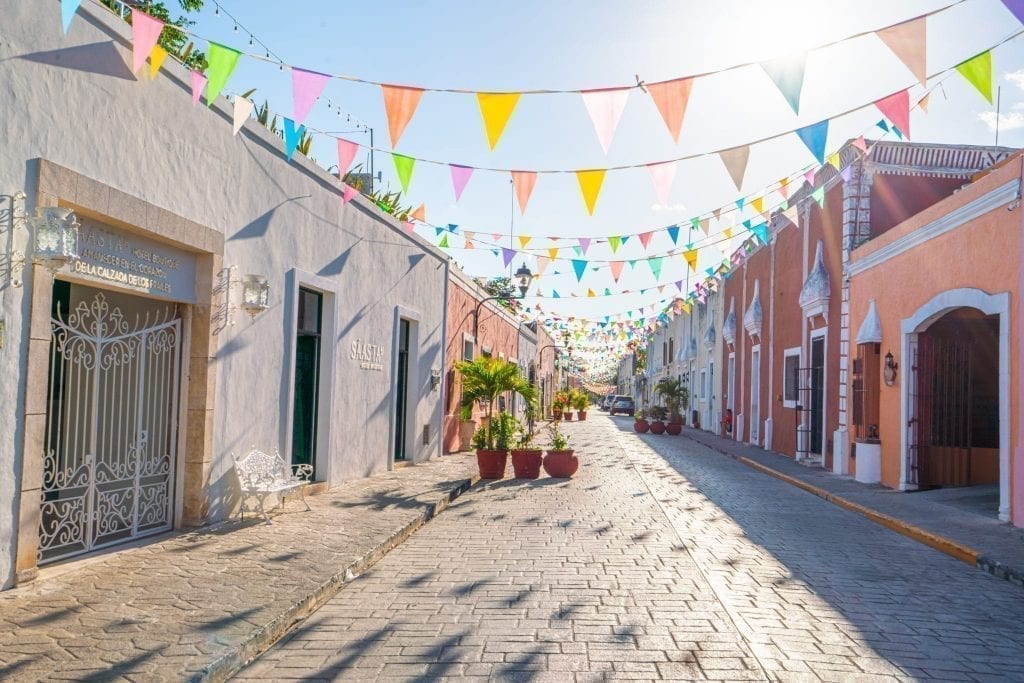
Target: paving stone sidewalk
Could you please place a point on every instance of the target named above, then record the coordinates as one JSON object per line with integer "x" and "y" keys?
{"x": 183, "y": 607}
{"x": 1000, "y": 545}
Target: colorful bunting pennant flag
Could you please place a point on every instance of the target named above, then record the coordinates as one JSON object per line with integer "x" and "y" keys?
{"x": 735, "y": 160}
{"x": 507, "y": 255}
{"x": 1016, "y": 8}
{"x": 691, "y": 258}
{"x": 580, "y": 267}
{"x": 444, "y": 242}
{"x": 584, "y": 243}
{"x": 243, "y": 108}
{"x": 523, "y": 182}
{"x": 460, "y": 176}
{"x": 761, "y": 231}
{"x": 542, "y": 264}
{"x": 605, "y": 109}
{"x": 923, "y": 102}
{"x": 860, "y": 144}
{"x": 306, "y": 88}
{"x": 403, "y": 166}
{"x": 553, "y": 253}
{"x": 348, "y": 193}
{"x": 788, "y": 75}
{"x": 221, "y": 62}
{"x": 496, "y": 109}
{"x": 662, "y": 176}
{"x": 292, "y": 135}
{"x": 896, "y": 108}
{"x": 523, "y": 241}
{"x": 198, "y": 82}
{"x": 978, "y": 72}
{"x": 671, "y": 98}
{"x": 614, "y": 242}
{"x": 616, "y": 268}
{"x": 819, "y": 196}
{"x": 655, "y": 266}
{"x": 420, "y": 213}
{"x": 400, "y": 104}
{"x": 784, "y": 188}
{"x": 909, "y": 42}
{"x": 814, "y": 137}
{"x": 590, "y": 185}
{"x": 346, "y": 154}
{"x": 67, "y": 12}
{"x": 645, "y": 238}
{"x": 145, "y": 32}
{"x": 673, "y": 232}
{"x": 758, "y": 203}
{"x": 156, "y": 59}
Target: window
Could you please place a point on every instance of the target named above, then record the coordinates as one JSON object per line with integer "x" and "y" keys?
{"x": 468, "y": 347}
{"x": 790, "y": 377}
{"x": 485, "y": 351}
{"x": 671, "y": 350}
{"x": 664, "y": 353}
{"x": 866, "y": 377}
{"x": 703, "y": 384}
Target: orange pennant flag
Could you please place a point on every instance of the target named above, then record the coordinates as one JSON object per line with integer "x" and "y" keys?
{"x": 909, "y": 41}
{"x": 496, "y": 108}
{"x": 469, "y": 239}
{"x": 420, "y": 213}
{"x": 923, "y": 102}
{"x": 616, "y": 268}
{"x": 542, "y": 264}
{"x": 400, "y": 104}
{"x": 590, "y": 185}
{"x": 523, "y": 181}
{"x": 671, "y": 98}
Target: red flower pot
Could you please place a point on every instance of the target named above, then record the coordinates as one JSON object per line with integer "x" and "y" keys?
{"x": 567, "y": 416}
{"x": 582, "y": 415}
{"x": 657, "y": 427}
{"x": 561, "y": 463}
{"x": 526, "y": 463}
{"x": 491, "y": 463}
{"x": 674, "y": 428}
{"x": 641, "y": 426}
{"x": 556, "y": 414}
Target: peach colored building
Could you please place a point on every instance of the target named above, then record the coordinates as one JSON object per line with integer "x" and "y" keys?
{"x": 936, "y": 381}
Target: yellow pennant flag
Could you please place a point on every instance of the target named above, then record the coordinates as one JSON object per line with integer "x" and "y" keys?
{"x": 553, "y": 253}
{"x": 496, "y": 108}
{"x": 834, "y": 160}
{"x": 758, "y": 204}
{"x": 523, "y": 241}
{"x": 728, "y": 233}
{"x": 156, "y": 60}
{"x": 685, "y": 306}
{"x": 590, "y": 293}
{"x": 691, "y": 258}
{"x": 590, "y": 186}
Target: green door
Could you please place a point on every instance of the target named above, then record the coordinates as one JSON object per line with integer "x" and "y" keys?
{"x": 402, "y": 389}
{"x": 307, "y": 379}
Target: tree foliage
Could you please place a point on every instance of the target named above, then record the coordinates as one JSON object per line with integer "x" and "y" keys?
{"x": 504, "y": 289}
{"x": 175, "y": 42}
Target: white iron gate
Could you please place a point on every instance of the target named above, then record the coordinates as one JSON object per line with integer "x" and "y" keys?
{"x": 111, "y": 429}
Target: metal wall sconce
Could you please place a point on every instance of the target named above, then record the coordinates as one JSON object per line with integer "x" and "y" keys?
{"x": 255, "y": 297}
{"x": 435, "y": 379}
{"x": 53, "y": 234}
{"x": 889, "y": 370}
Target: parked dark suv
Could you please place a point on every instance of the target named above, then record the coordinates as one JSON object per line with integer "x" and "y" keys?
{"x": 622, "y": 405}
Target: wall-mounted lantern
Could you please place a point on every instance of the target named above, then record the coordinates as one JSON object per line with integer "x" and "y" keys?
{"x": 889, "y": 370}
{"x": 435, "y": 379}
{"x": 53, "y": 232}
{"x": 255, "y": 294}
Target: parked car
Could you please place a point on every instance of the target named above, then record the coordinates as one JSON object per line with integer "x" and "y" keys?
{"x": 622, "y": 405}
{"x": 606, "y": 403}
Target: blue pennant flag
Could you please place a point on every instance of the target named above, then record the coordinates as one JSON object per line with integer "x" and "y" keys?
{"x": 673, "y": 232}
{"x": 292, "y": 135}
{"x": 814, "y": 137}
{"x": 579, "y": 266}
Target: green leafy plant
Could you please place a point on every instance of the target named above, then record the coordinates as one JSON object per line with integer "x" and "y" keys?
{"x": 676, "y": 395}
{"x": 484, "y": 379}
{"x": 503, "y": 431}
{"x": 579, "y": 399}
{"x": 558, "y": 440}
{"x": 465, "y": 412}
{"x": 480, "y": 437}
{"x": 263, "y": 117}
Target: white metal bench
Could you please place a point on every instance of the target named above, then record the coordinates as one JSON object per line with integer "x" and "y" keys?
{"x": 261, "y": 474}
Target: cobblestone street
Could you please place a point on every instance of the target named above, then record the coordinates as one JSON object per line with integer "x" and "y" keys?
{"x": 660, "y": 559}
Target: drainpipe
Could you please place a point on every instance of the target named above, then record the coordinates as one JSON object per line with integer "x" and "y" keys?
{"x": 444, "y": 356}
{"x": 1017, "y": 463}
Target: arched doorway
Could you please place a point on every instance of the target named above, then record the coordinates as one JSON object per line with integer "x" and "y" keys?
{"x": 956, "y": 394}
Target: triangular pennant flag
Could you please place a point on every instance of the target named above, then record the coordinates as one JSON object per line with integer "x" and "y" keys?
{"x": 460, "y": 176}
{"x": 691, "y": 258}
{"x": 306, "y": 88}
{"x": 860, "y": 144}
{"x": 809, "y": 176}
{"x": 346, "y": 153}
{"x": 554, "y": 295}
{"x": 523, "y": 181}
{"x": 655, "y": 265}
{"x": 978, "y": 72}
{"x": 590, "y": 293}
{"x": 758, "y": 204}
{"x": 883, "y": 125}
{"x": 444, "y": 242}
{"x": 1016, "y": 8}
{"x": 909, "y": 42}
{"x": 761, "y": 230}
{"x": 846, "y": 174}
{"x": 243, "y": 107}
{"x": 679, "y": 285}
{"x": 542, "y": 264}
{"x": 705, "y": 226}
{"x": 671, "y": 98}
{"x": 400, "y": 104}
{"x": 292, "y": 135}
{"x": 616, "y": 268}
{"x": 590, "y": 185}
{"x": 67, "y": 12}
{"x": 580, "y": 267}
{"x": 577, "y": 251}
{"x": 645, "y": 238}
{"x": 409, "y": 226}
{"x": 788, "y": 75}
{"x": 614, "y": 242}
{"x": 784, "y": 188}
{"x": 814, "y": 136}
{"x": 735, "y": 160}
{"x": 662, "y": 176}
{"x": 584, "y": 244}
{"x": 496, "y": 109}
{"x": 198, "y": 82}
{"x": 156, "y": 60}
{"x": 524, "y": 240}
{"x": 145, "y": 32}
{"x": 420, "y": 213}
{"x": 553, "y": 253}
{"x": 468, "y": 237}
{"x": 727, "y": 233}
{"x": 896, "y": 108}
{"x": 819, "y": 196}
{"x": 605, "y": 109}
{"x": 923, "y": 102}
{"x": 507, "y": 255}
{"x": 673, "y": 232}
{"x": 348, "y": 193}
{"x": 403, "y": 166}
{"x": 834, "y": 161}
{"x": 221, "y": 62}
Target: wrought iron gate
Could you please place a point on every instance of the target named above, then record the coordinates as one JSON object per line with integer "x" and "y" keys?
{"x": 940, "y": 404}
{"x": 809, "y": 412}
{"x": 111, "y": 429}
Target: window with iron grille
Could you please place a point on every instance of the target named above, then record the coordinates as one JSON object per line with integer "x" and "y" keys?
{"x": 866, "y": 385}
{"x": 791, "y": 377}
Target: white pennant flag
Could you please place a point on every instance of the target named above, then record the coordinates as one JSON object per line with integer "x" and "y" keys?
{"x": 605, "y": 109}
{"x": 243, "y": 108}
{"x": 662, "y": 174}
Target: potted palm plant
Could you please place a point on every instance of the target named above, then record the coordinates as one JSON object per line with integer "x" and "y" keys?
{"x": 580, "y": 401}
{"x": 658, "y": 423}
{"x": 526, "y": 457}
{"x": 676, "y": 397}
{"x": 483, "y": 380}
{"x": 640, "y": 423}
{"x": 560, "y": 461}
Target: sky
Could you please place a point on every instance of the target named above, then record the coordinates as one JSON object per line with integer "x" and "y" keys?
{"x": 587, "y": 44}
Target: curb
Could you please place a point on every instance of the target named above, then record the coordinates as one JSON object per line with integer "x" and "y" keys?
{"x": 945, "y": 545}
{"x": 258, "y": 642}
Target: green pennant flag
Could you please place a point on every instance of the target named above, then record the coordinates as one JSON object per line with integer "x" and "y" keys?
{"x": 819, "y": 196}
{"x": 403, "y": 165}
{"x": 978, "y": 72}
{"x": 614, "y": 243}
{"x": 577, "y": 251}
{"x": 632, "y": 264}
{"x": 221, "y": 62}
{"x": 655, "y": 264}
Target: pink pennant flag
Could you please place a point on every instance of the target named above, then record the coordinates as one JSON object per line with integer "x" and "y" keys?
{"x": 460, "y": 176}
{"x": 306, "y": 88}
{"x": 860, "y": 144}
{"x": 662, "y": 175}
{"x": 809, "y": 176}
{"x": 616, "y": 268}
{"x": 409, "y": 226}
{"x": 645, "y": 238}
{"x": 198, "y": 83}
{"x": 605, "y": 109}
{"x": 584, "y": 244}
{"x": 896, "y": 108}
{"x": 145, "y": 32}
{"x": 348, "y": 193}
{"x": 542, "y": 264}
{"x": 346, "y": 153}
{"x": 523, "y": 181}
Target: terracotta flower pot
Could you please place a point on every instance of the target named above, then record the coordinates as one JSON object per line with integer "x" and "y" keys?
{"x": 491, "y": 463}
{"x": 641, "y": 426}
{"x": 526, "y": 462}
{"x": 582, "y": 415}
{"x": 466, "y": 429}
{"x": 561, "y": 463}
{"x": 556, "y": 414}
{"x": 657, "y": 427}
{"x": 674, "y": 428}
{"x": 567, "y": 416}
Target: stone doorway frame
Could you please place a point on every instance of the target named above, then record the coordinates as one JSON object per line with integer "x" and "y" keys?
{"x": 59, "y": 186}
